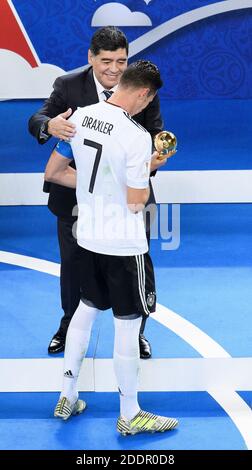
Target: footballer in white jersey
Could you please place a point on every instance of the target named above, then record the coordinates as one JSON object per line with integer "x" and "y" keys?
{"x": 111, "y": 151}
{"x": 112, "y": 154}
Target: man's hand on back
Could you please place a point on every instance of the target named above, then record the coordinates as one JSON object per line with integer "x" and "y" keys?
{"x": 60, "y": 128}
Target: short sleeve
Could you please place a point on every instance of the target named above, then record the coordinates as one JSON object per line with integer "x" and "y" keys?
{"x": 65, "y": 149}
{"x": 138, "y": 163}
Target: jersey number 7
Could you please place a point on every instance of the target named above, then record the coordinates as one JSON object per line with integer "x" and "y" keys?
{"x": 98, "y": 148}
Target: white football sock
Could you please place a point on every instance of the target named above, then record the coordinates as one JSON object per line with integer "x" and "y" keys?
{"x": 77, "y": 340}
{"x": 126, "y": 364}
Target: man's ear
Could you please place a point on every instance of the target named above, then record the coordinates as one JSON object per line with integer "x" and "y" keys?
{"x": 90, "y": 55}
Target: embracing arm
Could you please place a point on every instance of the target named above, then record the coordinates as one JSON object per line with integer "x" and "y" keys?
{"x": 53, "y": 115}
{"x": 58, "y": 171}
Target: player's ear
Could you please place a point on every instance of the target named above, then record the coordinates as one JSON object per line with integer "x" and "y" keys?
{"x": 143, "y": 92}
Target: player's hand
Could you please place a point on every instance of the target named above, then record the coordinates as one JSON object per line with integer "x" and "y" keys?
{"x": 157, "y": 162}
{"x": 61, "y": 128}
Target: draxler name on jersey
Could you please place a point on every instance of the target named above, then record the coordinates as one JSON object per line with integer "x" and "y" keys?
{"x": 97, "y": 125}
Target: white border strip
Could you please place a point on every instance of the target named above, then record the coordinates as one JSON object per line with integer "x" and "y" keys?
{"x": 40, "y": 375}
{"x": 190, "y": 333}
{"x": 217, "y": 186}
{"x": 238, "y": 411}
{"x": 157, "y": 375}
{"x": 29, "y": 262}
{"x": 25, "y": 189}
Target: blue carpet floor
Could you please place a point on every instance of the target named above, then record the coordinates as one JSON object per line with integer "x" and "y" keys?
{"x": 29, "y": 423}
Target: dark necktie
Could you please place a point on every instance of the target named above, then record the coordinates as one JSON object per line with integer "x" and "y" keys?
{"x": 108, "y": 93}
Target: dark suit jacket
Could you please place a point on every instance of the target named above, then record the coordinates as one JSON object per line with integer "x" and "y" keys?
{"x": 72, "y": 91}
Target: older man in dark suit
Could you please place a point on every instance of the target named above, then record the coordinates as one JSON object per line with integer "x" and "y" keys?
{"x": 107, "y": 57}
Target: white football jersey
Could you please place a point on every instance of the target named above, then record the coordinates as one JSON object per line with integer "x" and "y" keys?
{"x": 111, "y": 152}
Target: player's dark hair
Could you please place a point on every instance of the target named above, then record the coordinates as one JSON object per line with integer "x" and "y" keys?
{"x": 109, "y": 38}
{"x": 142, "y": 73}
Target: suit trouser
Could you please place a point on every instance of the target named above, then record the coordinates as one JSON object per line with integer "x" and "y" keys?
{"x": 69, "y": 272}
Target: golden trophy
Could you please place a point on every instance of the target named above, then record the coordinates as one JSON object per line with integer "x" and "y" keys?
{"x": 165, "y": 142}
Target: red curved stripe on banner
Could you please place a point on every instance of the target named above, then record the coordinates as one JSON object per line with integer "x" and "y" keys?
{"x": 11, "y": 36}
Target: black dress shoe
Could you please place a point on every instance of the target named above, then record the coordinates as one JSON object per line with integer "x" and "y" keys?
{"x": 57, "y": 344}
{"x": 145, "y": 347}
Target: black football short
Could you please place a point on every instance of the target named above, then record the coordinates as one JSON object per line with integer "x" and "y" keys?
{"x": 124, "y": 283}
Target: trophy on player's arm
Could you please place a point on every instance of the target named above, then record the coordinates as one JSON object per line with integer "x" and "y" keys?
{"x": 165, "y": 143}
